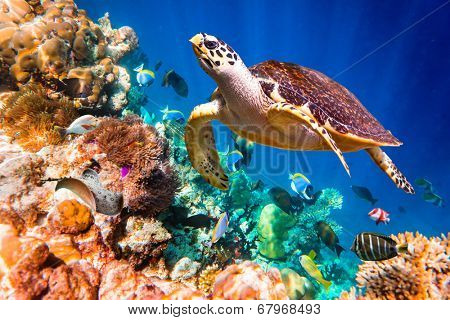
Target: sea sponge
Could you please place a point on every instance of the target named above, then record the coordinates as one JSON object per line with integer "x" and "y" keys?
{"x": 29, "y": 117}
{"x": 71, "y": 217}
{"x": 150, "y": 185}
{"x": 247, "y": 281}
{"x": 421, "y": 274}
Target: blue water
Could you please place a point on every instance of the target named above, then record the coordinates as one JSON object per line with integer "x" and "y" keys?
{"x": 394, "y": 56}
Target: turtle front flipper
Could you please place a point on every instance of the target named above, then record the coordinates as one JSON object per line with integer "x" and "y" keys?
{"x": 278, "y": 112}
{"x": 201, "y": 147}
{"x": 385, "y": 163}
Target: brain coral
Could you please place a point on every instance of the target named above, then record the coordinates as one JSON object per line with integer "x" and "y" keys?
{"x": 247, "y": 281}
{"x": 45, "y": 41}
{"x": 422, "y": 274}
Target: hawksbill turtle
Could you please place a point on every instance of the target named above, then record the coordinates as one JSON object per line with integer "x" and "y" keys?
{"x": 283, "y": 105}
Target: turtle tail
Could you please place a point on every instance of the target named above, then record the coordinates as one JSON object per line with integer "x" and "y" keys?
{"x": 385, "y": 163}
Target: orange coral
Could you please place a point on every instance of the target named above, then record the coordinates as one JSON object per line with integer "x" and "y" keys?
{"x": 30, "y": 117}
{"x": 44, "y": 41}
{"x": 71, "y": 217}
{"x": 421, "y": 274}
{"x": 247, "y": 281}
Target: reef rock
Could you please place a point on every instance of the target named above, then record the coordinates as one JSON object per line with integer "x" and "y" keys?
{"x": 247, "y": 281}
{"x": 185, "y": 268}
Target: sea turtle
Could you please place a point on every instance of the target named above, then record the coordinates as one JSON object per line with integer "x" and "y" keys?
{"x": 283, "y": 105}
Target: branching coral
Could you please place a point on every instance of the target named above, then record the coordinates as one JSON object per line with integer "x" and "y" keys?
{"x": 207, "y": 277}
{"x": 421, "y": 274}
{"x": 29, "y": 117}
{"x": 150, "y": 185}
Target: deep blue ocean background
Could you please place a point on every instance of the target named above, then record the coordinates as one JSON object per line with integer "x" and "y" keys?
{"x": 393, "y": 55}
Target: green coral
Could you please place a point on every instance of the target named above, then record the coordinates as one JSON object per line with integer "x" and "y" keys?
{"x": 273, "y": 227}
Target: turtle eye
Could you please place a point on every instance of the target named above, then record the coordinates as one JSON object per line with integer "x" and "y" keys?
{"x": 211, "y": 44}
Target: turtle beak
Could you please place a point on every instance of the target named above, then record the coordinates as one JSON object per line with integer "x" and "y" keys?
{"x": 197, "y": 45}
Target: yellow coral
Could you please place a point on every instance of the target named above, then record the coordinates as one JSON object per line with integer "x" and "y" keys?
{"x": 207, "y": 278}
{"x": 421, "y": 274}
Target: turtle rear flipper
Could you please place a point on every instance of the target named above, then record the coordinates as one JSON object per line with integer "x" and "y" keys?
{"x": 201, "y": 146}
{"x": 385, "y": 163}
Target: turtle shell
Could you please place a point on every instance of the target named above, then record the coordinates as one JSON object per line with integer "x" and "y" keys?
{"x": 330, "y": 103}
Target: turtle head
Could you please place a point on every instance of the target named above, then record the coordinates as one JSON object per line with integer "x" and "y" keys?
{"x": 215, "y": 56}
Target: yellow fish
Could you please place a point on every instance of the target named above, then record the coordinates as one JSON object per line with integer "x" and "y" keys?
{"x": 311, "y": 268}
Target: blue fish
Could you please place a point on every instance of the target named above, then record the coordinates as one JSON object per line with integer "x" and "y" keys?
{"x": 173, "y": 115}
{"x": 144, "y": 77}
{"x": 234, "y": 160}
{"x": 220, "y": 229}
{"x": 301, "y": 185}
{"x": 147, "y": 116}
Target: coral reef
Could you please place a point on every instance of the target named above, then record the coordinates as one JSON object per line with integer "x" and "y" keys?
{"x": 248, "y": 281}
{"x": 56, "y": 44}
{"x": 423, "y": 273}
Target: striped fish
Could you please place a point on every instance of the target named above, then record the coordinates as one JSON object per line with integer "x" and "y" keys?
{"x": 370, "y": 246}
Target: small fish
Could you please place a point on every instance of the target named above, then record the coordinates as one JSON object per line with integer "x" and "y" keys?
{"x": 198, "y": 221}
{"x": 402, "y": 209}
{"x": 433, "y": 198}
{"x": 307, "y": 262}
{"x": 171, "y": 78}
{"x": 234, "y": 160}
{"x": 370, "y": 246}
{"x": 158, "y": 65}
{"x": 301, "y": 185}
{"x": 124, "y": 171}
{"x": 80, "y": 189}
{"x": 173, "y": 115}
{"x": 328, "y": 237}
{"x": 219, "y": 229}
{"x": 144, "y": 77}
{"x": 244, "y": 146}
{"x": 379, "y": 215}
{"x": 107, "y": 202}
{"x": 80, "y": 125}
{"x": 424, "y": 183}
{"x": 147, "y": 116}
{"x": 364, "y": 193}
{"x": 257, "y": 185}
{"x": 281, "y": 198}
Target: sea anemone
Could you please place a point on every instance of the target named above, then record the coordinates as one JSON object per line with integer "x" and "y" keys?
{"x": 29, "y": 117}
{"x": 150, "y": 184}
